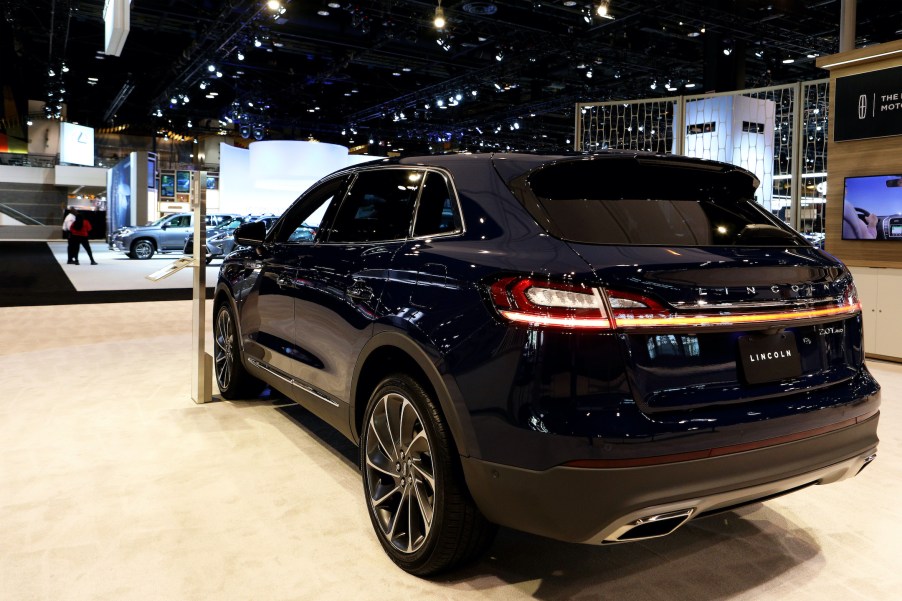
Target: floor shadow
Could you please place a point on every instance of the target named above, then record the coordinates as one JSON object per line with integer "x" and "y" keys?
{"x": 713, "y": 558}
{"x": 709, "y": 559}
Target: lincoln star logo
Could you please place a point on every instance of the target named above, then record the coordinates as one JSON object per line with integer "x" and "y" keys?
{"x": 862, "y": 106}
{"x": 755, "y": 357}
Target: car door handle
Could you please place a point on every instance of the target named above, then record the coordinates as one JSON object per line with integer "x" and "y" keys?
{"x": 361, "y": 292}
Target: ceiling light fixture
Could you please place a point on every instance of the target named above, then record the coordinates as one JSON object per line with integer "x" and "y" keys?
{"x": 603, "y": 10}
{"x": 439, "y": 20}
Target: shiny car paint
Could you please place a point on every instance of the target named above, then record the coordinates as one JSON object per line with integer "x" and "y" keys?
{"x": 542, "y": 415}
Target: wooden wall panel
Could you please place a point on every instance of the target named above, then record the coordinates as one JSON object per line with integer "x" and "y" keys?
{"x": 876, "y": 156}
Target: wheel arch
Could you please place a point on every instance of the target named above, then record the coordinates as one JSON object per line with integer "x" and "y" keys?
{"x": 390, "y": 352}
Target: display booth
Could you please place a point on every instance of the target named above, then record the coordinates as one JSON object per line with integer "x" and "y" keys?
{"x": 864, "y": 184}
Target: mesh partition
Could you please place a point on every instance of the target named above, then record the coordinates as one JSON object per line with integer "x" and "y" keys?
{"x": 753, "y": 129}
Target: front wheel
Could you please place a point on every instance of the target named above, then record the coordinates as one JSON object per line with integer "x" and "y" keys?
{"x": 416, "y": 497}
{"x": 232, "y": 378}
{"x": 142, "y": 249}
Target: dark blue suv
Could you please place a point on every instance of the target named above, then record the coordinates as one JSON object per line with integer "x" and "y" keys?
{"x": 590, "y": 348}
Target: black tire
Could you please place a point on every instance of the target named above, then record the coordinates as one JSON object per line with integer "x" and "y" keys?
{"x": 143, "y": 249}
{"x": 232, "y": 378}
{"x": 397, "y": 470}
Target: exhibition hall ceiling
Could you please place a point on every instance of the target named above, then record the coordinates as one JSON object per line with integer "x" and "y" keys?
{"x": 340, "y": 70}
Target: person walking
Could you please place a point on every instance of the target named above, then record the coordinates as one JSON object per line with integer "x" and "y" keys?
{"x": 78, "y": 236}
{"x": 71, "y": 248}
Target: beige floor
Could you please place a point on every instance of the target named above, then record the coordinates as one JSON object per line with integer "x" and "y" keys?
{"x": 115, "y": 486}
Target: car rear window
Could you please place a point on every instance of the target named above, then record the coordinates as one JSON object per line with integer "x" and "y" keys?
{"x": 626, "y": 201}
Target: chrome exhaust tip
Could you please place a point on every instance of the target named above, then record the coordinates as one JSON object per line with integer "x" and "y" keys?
{"x": 651, "y": 526}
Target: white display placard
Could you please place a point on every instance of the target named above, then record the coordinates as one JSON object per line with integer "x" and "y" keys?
{"x": 173, "y": 267}
{"x": 76, "y": 144}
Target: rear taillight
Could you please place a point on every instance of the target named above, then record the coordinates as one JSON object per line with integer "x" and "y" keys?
{"x": 525, "y": 300}
{"x": 543, "y": 303}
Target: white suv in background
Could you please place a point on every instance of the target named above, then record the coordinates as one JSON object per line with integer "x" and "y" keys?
{"x": 166, "y": 234}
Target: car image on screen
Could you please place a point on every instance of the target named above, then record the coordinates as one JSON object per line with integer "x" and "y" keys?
{"x": 593, "y": 348}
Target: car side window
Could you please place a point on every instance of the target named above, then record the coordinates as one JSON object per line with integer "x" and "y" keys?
{"x": 436, "y": 211}
{"x": 379, "y": 206}
{"x": 302, "y": 220}
{"x": 180, "y": 221}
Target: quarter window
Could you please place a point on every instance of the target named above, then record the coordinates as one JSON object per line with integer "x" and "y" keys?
{"x": 435, "y": 213}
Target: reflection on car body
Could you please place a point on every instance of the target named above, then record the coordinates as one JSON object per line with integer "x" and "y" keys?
{"x": 595, "y": 348}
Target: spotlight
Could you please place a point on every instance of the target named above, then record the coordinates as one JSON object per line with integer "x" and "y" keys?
{"x": 258, "y": 132}
{"x": 189, "y": 123}
{"x": 257, "y": 42}
{"x": 273, "y": 5}
{"x": 240, "y": 55}
{"x": 500, "y": 56}
{"x": 244, "y": 131}
{"x": 439, "y": 20}
{"x": 173, "y": 100}
{"x": 654, "y": 85}
{"x": 219, "y": 74}
{"x": 65, "y": 69}
{"x": 211, "y": 68}
{"x": 474, "y": 93}
{"x": 203, "y": 85}
{"x": 589, "y": 73}
{"x": 51, "y": 72}
{"x": 602, "y": 10}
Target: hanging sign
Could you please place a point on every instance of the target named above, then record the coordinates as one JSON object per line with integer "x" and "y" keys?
{"x": 868, "y": 105}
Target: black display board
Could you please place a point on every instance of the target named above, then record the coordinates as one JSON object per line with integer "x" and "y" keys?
{"x": 868, "y": 105}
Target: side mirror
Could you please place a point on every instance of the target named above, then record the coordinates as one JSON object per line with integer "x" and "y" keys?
{"x": 250, "y": 234}
{"x": 164, "y": 226}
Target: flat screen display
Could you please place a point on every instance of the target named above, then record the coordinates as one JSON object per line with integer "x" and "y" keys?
{"x": 872, "y": 207}
{"x": 167, "y": 185}
{"x": 183, "y": 182}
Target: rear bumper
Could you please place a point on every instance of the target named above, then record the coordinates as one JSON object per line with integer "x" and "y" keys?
{"x": 604, "y": 505}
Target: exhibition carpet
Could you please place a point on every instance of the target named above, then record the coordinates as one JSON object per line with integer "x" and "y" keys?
{"x": 35, "y": 273}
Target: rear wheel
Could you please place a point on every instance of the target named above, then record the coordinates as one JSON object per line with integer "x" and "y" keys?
{"x": 232, "y": 378}
{"x": 416, "y": 497}
{"x": 142, "y": 249}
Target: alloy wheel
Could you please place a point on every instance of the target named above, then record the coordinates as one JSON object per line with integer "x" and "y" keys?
{"x": 223, "y": 354}
{"x": 400, "y": 475}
